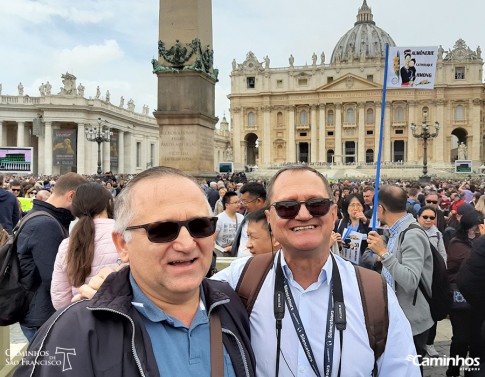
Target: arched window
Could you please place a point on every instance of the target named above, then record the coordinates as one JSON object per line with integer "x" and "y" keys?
{"x": 370, "y": 116}
{"x": 251, "y": 119}
{"x": 459, "y": 113}
{"x": 303, "y": 117}
{"x": 369, "y": 156}
{"x": 279, "y": 118}
{"x": 330, "y": 154}
{"x": 399, "y": 115}
{"x": 330, "y": 119}
{"x": 350, "y": 115}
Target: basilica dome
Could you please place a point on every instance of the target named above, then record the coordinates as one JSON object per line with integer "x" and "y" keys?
{"x": 363, "y": 42}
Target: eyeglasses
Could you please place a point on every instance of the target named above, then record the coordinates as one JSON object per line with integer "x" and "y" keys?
{"x": 14, "y": 189}
{"x": 289, "y": 209}
{"x": 33, "y": 193}
{"x": 432, "y": 201}
{"x": 429, "y": 217}
{"x": 244, "y": 202}
{"x": 167, "y": 231}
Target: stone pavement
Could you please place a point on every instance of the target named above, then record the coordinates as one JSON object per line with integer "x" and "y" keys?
{"x": 442, "y": 345}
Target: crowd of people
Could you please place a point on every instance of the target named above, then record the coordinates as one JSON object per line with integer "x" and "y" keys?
{"x": 168, "y": 227}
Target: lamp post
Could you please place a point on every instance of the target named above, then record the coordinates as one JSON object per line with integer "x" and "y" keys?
{"x": 425, "y": 135}
{"x": 98, "y": 134}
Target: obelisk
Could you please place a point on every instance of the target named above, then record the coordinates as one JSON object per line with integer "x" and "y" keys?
{"x": 186, "y": 86}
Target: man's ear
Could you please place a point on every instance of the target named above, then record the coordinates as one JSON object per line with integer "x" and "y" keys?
{"x": 121, "y": 246}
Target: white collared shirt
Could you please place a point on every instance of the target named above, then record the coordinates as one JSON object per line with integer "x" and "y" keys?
{"x": 312, "y": 303}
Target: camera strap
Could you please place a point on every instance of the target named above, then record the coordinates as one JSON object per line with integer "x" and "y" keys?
{"x": 335, "y": 318}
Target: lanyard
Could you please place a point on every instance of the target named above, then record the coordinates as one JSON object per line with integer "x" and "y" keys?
{"x": 340, "y": 322}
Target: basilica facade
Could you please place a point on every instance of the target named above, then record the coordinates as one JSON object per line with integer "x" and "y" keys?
{"x": 330, "y": 112}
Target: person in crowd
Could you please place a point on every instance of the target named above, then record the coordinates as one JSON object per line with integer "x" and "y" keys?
{"x": 450, "y": 231}
{"x": 89, "y": 246}
{"x": 37, "y": 247}
{"x": 353, "y": 220}
{"x": 432, "y": 200}
{"x": 158, "y": 315}
{"x": 9, "y": 209}
{"x": 368, "y": 193}
{"x": 459, "y": 250}
{"x": 427, "y": 219}
{"x": 219, "y": 207}
{"x": 480, "y": 205}
{"x": 458, "y": 199}
{"x": 43, "y": 195}
{"x": 253, "y": 197}
{"x": 405, "y": 262}
{"x": 212, "y": 194}
{"x": 260, "y": 239}
{"x": 471, "y": 284}
{"x": 228, "y": 221}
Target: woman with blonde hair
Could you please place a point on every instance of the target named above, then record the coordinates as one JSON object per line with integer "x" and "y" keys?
{"x": 480, "y": 206}
{"x": 89, "y": 247}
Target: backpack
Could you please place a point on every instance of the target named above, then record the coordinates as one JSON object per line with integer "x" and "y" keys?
{"x": 441, "y": 298}
{"x": 373, "y": 293}
{"x": 14, "y": 298}
{"x": 410, "y": 207}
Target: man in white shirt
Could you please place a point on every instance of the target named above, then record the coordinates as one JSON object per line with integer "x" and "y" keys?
{"x": 229, "y": 221}
{"x": 301, "y": 216}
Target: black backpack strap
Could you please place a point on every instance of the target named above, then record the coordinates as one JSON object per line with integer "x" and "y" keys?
{"x": 252, "y": 277}
{"x": 37, "y": 214}
{"x": 373, "y": 293}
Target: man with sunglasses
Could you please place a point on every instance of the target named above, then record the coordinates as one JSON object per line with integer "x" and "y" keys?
{"x": 159, "y": 316}
{"x": 301, "y": 216}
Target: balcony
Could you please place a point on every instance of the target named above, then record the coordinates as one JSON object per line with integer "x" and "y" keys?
{"x": 303, "y": 127}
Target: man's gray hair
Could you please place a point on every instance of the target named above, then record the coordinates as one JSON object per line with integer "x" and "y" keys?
{"x": 123, "y": 209}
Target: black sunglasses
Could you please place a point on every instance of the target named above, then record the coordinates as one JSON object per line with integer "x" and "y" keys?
{"x": 428, "y": 217}
{"x": 16, "y": 189}
{"x": 432, "y": 201}
{"x": 167, "y": 231}
{"x": 289, "y": 209}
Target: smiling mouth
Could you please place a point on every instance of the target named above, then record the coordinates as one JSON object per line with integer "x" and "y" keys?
{"x": 300, "y": 228}
{"x": 182, "y": 262}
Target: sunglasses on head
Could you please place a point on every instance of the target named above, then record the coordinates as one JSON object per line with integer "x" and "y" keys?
{"x": 289, "y": 209}
{"x": 428, "y": 217}
{"x": 432, "y": 201}
{"x": 167, "y": 231}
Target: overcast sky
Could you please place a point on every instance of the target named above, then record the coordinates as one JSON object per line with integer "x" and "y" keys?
{"x": 110, "y": 43}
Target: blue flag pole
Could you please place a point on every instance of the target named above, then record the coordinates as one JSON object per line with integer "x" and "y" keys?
{"x": 381, "y": 136}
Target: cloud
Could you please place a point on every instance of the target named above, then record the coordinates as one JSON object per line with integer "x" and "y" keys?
{"x": 88, "y": 58}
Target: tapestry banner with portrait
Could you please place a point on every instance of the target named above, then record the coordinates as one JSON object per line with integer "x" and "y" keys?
{"x": 64, "y": 145}
{"x": 113, "y": 150}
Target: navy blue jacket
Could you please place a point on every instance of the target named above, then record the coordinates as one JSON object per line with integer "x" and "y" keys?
{"x": 9, "y": 210}
{"x": 37, "y": 247}
{"x": 106, "y": 336}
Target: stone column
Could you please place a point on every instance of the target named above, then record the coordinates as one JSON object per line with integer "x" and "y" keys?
{"x": 338, "y": 134}
{"x": 361, "y": 133}
{"x": 412, "y": 144}
{"x": 20, "y": 134}
{"x": 186, "y": 95}
{"x": 237, "y": 128}
{"x": 377, "y": 130}
{"x": 387, "y": 134}
{"x": 81, "y": 151}
{"x": 474, "y": 153}
{"x": 266, "y": 157}
{"x": 130, "y": 158}
{"x": 121, "y": 152}
{"x": 439, "y": 142}
{"x": 314, "y": 133}
{"x": 1, "y": 133}
{"x": 105, "y": 156}
{"x": 322, "y": 133}
{"x": 291, "y": 157}
{"x": 48, "y": 148}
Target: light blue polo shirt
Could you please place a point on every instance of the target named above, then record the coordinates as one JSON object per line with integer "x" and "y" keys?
{"x": 179, "y": 351}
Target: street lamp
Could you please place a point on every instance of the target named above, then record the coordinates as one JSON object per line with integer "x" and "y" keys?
{"x": 98, "y": 134}
{"x": 425, "y": 135}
